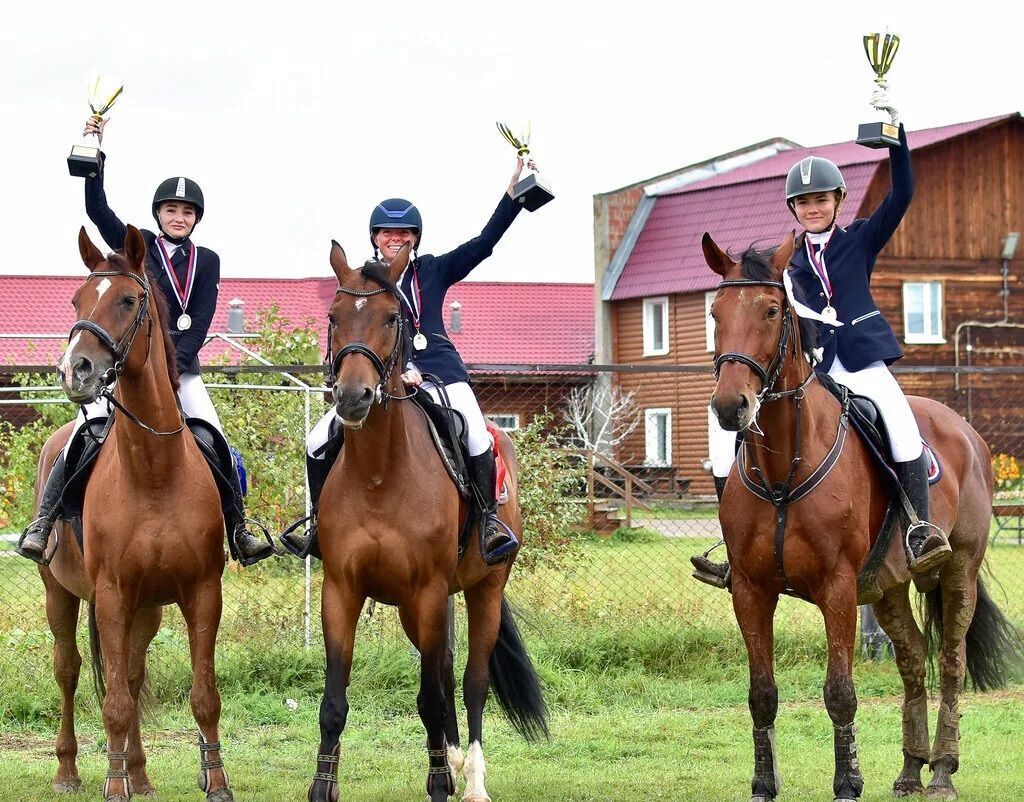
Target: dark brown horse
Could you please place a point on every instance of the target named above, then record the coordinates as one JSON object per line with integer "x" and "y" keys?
{"x": 766, "y": 389}
{"x": 152, "y": 528}
{"x": 388, "y": 528}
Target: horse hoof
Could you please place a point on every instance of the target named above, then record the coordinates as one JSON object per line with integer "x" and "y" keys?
{"x": 940, "y": 792}
{"x": 484, "y": 798}
{"x": 220, "y": 795}
{"x": 67, "y": 786}
{"x": 904, "y": 788}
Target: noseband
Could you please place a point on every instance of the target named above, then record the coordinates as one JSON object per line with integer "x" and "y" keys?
{"x": 384, "y": 369}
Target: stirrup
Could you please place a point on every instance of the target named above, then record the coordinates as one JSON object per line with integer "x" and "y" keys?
{"x": 298, "y": 543}
{"x": 499, "y": 554}
{"x": 706, "y": 570}
{"x": 266, "y": 542}
{"x": 38, "y": 555}
{"x": 934, "y": 549}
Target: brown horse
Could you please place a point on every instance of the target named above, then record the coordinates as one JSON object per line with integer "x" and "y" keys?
{"x": 816, "y": 546}
{"x": 389, "y": 523}
{"x": 152, "y": 527}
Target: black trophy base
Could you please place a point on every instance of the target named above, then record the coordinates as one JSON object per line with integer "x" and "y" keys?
{"x": 532, "y": 192}
{"x": 84, "y": 162}
{"x": 878, "y": 135}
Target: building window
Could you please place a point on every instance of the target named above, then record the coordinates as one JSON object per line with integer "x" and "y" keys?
{"x": 658, "y": 436}
{"x": 922, "y": 312}
{"x": 505, "y": 421}
{"x": 655, "y": 326}
{"x": 709, "y": 322}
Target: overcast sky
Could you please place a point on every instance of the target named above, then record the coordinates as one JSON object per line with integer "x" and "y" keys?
{"x": 297, "y": 121}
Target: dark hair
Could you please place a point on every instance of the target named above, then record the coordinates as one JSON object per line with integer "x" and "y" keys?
{"x": 378, "y": 271}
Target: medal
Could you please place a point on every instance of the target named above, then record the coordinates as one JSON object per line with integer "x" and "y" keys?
{"x": 419, "y": 342}
{"x": 184, "y": 322}
{"x": 181, "y": 293}
{"x": 829, "y": 314}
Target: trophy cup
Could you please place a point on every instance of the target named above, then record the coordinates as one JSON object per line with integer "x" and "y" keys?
{"x": 880, "y": 50}
{"x": 531, "y": 191}
{"x": 84, "y": 161}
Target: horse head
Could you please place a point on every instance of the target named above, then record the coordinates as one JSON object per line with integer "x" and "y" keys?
{"x": 111, "y": 306}
{"x": 366, "y": 333}
{"x": 753, "y": 326}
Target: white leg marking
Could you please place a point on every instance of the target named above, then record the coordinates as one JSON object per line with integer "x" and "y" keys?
{"x": 475, "y": 771}
{"x": 456, "y": 759}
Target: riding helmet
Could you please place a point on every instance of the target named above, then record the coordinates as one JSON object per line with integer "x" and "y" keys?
{"x": 396, "y": 213}
{"x": 813, "y": 174}
{"x": 178, "y": 189}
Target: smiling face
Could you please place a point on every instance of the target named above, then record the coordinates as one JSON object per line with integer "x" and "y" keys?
{"x": 177, "y": 219}
{"x": 390, "y": 241}
{"x": 816, "y": 211}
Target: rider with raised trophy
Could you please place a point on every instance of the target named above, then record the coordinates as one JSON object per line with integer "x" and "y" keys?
{"x": 188, "y": 276}
{"x": 394, "y": 223}
{"x": 831, "y": 270}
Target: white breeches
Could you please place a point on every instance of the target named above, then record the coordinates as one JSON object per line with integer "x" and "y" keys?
{"x": 462, "y": 398}
{"x": 876, "y": 382}
{"x": 192, "y": 395}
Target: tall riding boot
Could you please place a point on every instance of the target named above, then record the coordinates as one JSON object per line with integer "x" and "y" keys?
{"x": 37, "y": 534}
{"x": 927, "y": 542}
{"x": 251, "y": 549}
{"x": 707, "y": 570}
{"x": 496, "y": 539}
{"x": 301, "y": 543}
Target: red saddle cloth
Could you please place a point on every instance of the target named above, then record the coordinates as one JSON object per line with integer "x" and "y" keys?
{"x": 499, "y": 463}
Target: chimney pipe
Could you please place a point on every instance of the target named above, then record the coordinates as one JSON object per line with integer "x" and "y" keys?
{"x": 236, "y": 316}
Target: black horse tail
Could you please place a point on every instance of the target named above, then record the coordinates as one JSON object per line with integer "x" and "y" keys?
{"x": 97, "y": 655}
{"x": 515, "y": 680}
{"x": 995, "y": 647}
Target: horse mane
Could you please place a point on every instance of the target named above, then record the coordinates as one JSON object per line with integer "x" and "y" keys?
{"x": 378, "y": 271}
{"x": 756, "y": 264}
{"x": 120, "y": 262}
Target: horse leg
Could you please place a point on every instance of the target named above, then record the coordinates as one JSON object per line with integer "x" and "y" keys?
{"x": 430, "y": 612}
{"x": 897, "y": 619}
{"x": 959, "y": 598}
{"x": 839, "y": 609}
{"x": 754, "y": 609}
{"x": 339, "y": 610}
{"x": 62, "y": 614}
{"x": 483, "y": 607}
{"x": 202, "y": 613}
{"x": 114, "y": 619}
{"x": 147, "y": 622}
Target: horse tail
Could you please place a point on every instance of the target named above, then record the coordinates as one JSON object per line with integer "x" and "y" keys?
{"x": 515, "y": 681}
{"x": 995, "y": 647}
{"x": 97, "y": 655}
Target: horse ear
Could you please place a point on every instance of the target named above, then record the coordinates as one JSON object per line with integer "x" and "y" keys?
{"x": 339, "y": 262}
{"x": 91, "y": 255}
{"x": 784, "y": 253}
{"x": 399, "y": 263}
{"x": 717, "y": 259}
{"x": 135, "y": 249}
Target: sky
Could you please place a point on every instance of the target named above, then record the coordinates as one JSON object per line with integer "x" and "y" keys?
{"x": 297, "y": 118}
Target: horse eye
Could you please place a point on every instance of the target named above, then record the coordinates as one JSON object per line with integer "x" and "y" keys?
{"x": 128, "y": 302}
{"x": 392, "y": 319}
{"x": 773, "y": 313}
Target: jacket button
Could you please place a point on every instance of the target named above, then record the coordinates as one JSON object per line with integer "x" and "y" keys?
{"x": 831, "y": 331}
{"x": 821, "y": 295}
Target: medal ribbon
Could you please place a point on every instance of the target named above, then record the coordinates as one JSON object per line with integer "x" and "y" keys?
{"x": 182, "y": 294}
{"x": 820, "y": 271}
{"x": 414, "y": 310}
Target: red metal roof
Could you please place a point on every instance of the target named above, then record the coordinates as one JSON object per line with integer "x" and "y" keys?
{"x": 741, "y": 207}
{"x": 502, "y": 322}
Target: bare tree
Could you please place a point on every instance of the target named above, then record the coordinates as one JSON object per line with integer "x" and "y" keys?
{"x": 601, "y": 417}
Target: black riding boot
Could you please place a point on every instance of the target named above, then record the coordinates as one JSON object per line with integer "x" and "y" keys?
{"x": 302, "y": 543}
{"x": 706, "y": 570}
{"x": 496, "y": 539}
{"x": 251, "y": 549}
{"x": 37, "y": 534}
{"x": 927, "y": 542}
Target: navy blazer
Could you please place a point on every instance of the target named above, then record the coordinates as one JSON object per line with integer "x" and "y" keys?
{"x": 206, "y": 284}
{"x": 850, "y": 254}
{"x": 435, "y": 274}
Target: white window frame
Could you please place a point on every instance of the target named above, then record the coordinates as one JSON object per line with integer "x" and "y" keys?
{"x": 709, "y": 322}
{"x": 925, "y": 337}
{"x": 514, "y": 416}
{"x": 650, "y": 454}
{"x": 649, "y": 304}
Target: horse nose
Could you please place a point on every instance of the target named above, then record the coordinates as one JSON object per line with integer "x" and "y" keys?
{"x": 353, "y": 403}
{"x": 82, "y": 370}
{"x": 730, "y": 411}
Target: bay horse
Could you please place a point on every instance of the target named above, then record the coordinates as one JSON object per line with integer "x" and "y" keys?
{"x": 816, "y": 546}
{"x": 389, "y": 520}
{"x": 152, "y": 527}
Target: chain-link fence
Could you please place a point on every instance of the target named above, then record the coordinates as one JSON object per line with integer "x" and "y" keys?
{"x": 642, "y": 502}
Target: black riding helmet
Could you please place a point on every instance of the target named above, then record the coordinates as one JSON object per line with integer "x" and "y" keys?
{"x": 813, "y": 174}
{"x": 178, "y": 189}
{"x": 396, "y": 213}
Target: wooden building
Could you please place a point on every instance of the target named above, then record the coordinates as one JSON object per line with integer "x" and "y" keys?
{"x": 942, "y": 281}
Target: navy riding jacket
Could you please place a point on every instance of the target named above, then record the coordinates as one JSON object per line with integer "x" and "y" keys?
{"x": 203, "y": 301}
{"x": 849, "y": 256}
{"x": 435, "y": 274}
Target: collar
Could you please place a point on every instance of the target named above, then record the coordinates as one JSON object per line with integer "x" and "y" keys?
{"x": 175, "y": 241}
{"x": 820, "y": 239}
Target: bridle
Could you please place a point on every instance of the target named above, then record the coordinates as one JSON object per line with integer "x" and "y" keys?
{"x": 121, "y": 348}
{"x": 384, "y": 369}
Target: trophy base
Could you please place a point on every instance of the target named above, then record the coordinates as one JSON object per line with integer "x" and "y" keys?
{"x": 878, "y": 135}
{"x": 532, "y": 192}
{"x": 84, "y": 161}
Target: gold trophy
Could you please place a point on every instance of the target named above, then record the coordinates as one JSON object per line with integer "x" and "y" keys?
{"x": 881, "y": 50}
{"x": 531, "y": 191}
{"x": 84, "y": 161}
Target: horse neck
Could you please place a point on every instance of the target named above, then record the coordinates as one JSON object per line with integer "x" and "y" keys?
{"x": 145, "y": 390}
{"x": 384, "y": 442}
